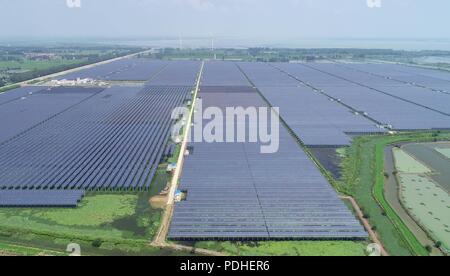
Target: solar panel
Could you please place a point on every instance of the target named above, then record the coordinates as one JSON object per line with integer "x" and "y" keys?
{"x": 219, "y": 73}
{"x": 45, "y": 103}
{"x": 236, "y": 193}
{"x": 177, "y": 73}
{"x": 391, "y": 105}
{"x": 130, "y": 69}
{"x": 112, "y": 140}
{"x": 40, "y": 198}
{"x": 17, "y": 94}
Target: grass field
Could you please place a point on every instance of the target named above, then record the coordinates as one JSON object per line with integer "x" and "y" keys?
{"x": 94, "y": 219}
{"x": 93, "y": 211}
{"x": 363, "y": 178}
{"x": 11, "y": 249}
{"x": 288, "y": 248}
{"x": 36, "y": 65}
{"x": 124, "y": 223}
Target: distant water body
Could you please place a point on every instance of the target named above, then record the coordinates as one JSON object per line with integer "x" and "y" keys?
{"x": 230, "y": 42}
{"x": 411, "y": 45}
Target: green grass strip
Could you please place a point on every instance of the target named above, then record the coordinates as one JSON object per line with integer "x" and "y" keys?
{"x": 378, "y": 191}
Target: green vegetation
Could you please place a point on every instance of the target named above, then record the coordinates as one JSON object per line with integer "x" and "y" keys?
{"x": 7, "y": 88}
{"x": 176, "y": 154}
{"x": 435, "y": 59}
{"x": 18, "y": 250}
{"x": 95, "y": 218}
{"x": 104, "y": 221}
{"x": 103, "y": 224}
{"x": 289, "y": 248}
{"x": 93, "y": 211}
{"x": 363, "y": 178}
{"x": 19, "y": 64}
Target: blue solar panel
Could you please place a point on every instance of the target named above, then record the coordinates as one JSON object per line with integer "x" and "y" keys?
{"x": 234, "y": 192}
{"x": 112, "y": 140}
{"x": 45, "y": 103}
{"x": 223, "y": 74}
{"x": 386, "y": 101}
{"x": 130, "y": 69}
{"x": 40, "y": 198}
{"x": 18, "y": 94}
{"x": 177, "y": 73}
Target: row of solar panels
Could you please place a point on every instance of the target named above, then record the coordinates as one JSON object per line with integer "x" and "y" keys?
{"x": 131, "y": 69}
{"x": 235, "y": 192}
{"x": 155, "y": 72}
{"x": 36, "y": 105}
{"x": 114, "y": 139}
{"x": 40, "y": 198}
{"x": 326, "y": 104}
{"x": 391, "y": 103}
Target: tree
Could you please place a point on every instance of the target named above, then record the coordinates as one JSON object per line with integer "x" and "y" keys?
{"x": 97, "y": 243}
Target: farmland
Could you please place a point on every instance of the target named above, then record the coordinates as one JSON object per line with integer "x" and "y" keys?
{"x": 18, "y": 64}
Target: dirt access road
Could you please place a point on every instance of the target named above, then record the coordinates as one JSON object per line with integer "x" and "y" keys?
{"x": 160, "y": 239}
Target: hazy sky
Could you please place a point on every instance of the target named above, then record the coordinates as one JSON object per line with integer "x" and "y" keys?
{"x": 271, "y": 19}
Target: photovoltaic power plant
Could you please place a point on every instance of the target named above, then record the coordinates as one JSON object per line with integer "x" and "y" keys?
{"x": 235, "y": 192}
{"x": 113, "y": 140}
{"x": 57, "y": 143}
{"x": 60, "y": 141}
{"x": 399, "y": 105}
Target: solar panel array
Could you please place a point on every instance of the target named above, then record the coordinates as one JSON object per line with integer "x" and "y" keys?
{"x": 263, "y": 76}
{"x": 315, "y": 119}
{"x": 139, "y": 70}
{"x": 431, "y": 79}
{"x": 412, "y": 94}
{"x": 318, "y": 120}
{"x": 222, "y": 74}
{"x": 386, "y": 101}
{"x": 27, "y": 111}
{"x": 234, "y": 192}
{"x": 40, "y": 198}
{"x": 17, "y": 94}
{"x": 178, "y": 73}
{"x": 114, "y": 140}
{"x": 130, "y": 69}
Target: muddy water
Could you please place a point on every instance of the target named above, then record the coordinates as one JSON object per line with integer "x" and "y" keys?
{"x": 393, "y": 198}
{"x": 434, "y": 160}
